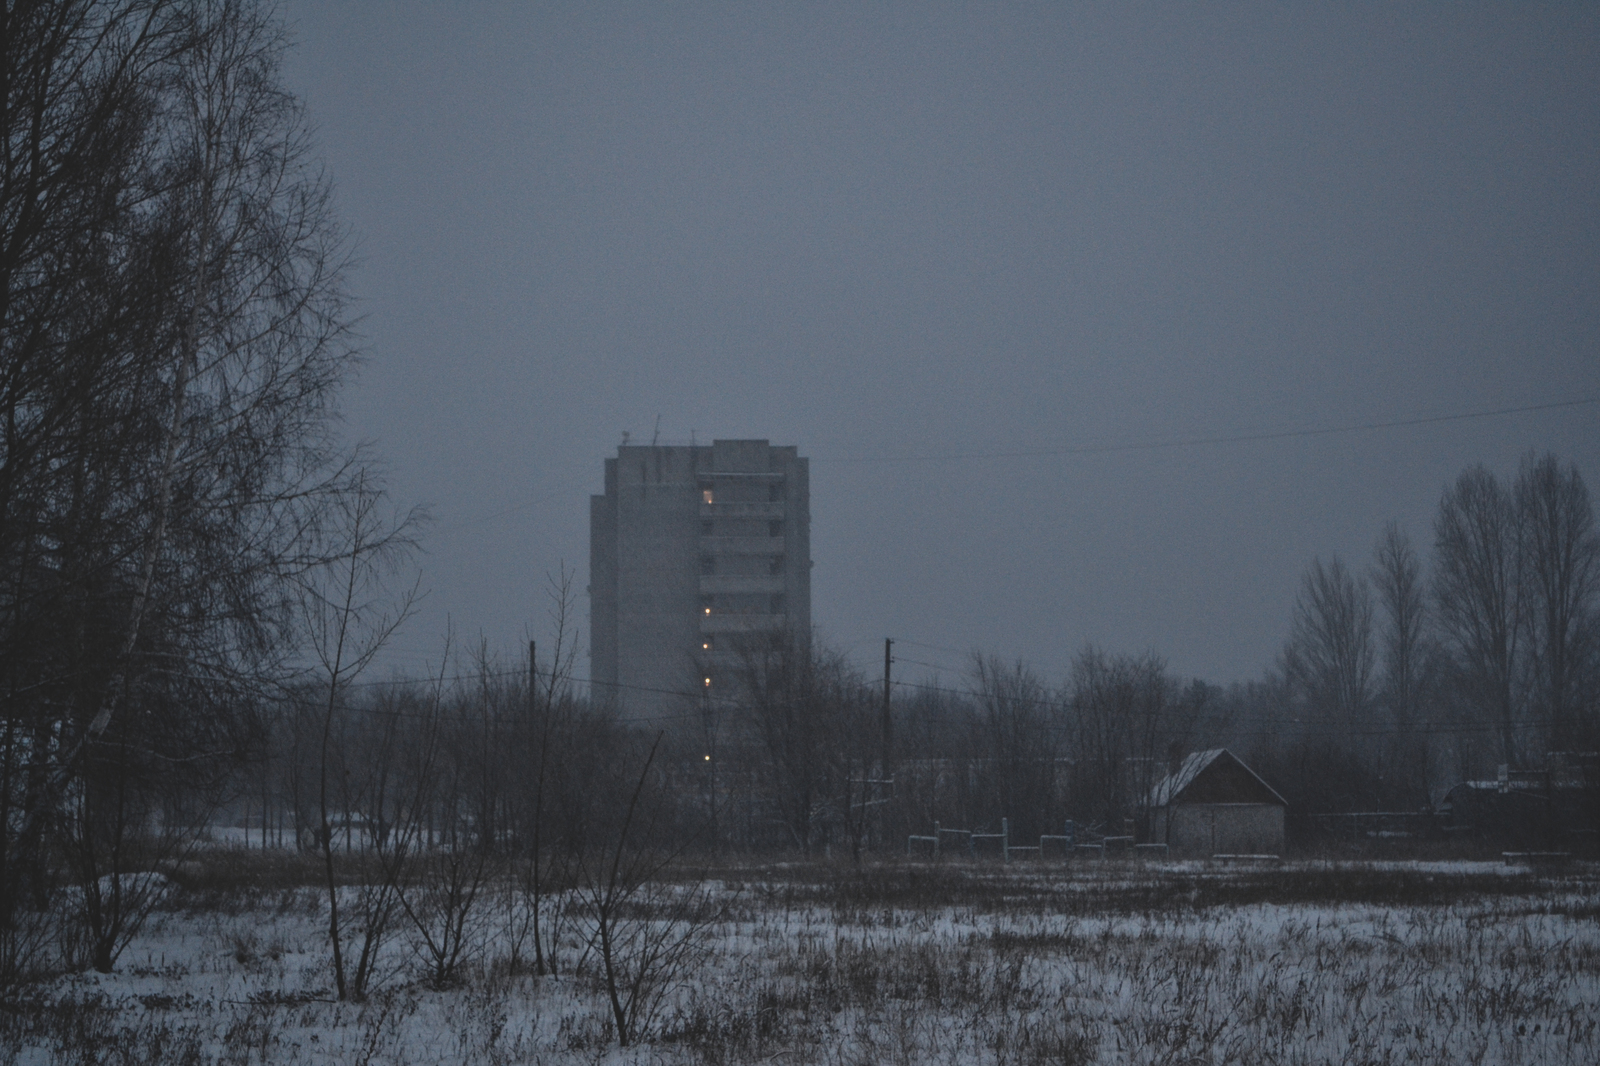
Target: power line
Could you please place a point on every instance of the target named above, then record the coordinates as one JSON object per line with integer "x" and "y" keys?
{"x": 919, "y": 662}
{"x": 521, "y": 672}
{"x": 1223, "y": 722}
{"x": 462, "y": 524}
{"x": 934, "y": 647}
{"x": 1194, "y": 442}
{"x": 562, "y": 490}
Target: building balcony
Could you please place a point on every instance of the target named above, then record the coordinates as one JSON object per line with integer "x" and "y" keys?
{"x": 738, "y": 475}
{"x": 742, "y": 545}
{"x": 737, "y": 583}
{"x": 764, "y": 510}
{"x": 743, "y": 623}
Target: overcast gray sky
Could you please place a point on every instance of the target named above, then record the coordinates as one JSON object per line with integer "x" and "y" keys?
{"x": 919, "y": 239}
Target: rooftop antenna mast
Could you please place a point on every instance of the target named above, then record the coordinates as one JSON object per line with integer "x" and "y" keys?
{"x": 657, "y": 434}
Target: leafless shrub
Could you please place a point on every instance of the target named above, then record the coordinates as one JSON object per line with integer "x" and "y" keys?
{"x": 29, "y": 942}
{"x": 649, "y": 935}
{"x": 1398, "y": 968}
{"x": 443, "y": 905}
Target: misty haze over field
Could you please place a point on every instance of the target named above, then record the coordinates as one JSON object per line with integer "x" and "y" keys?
{"x": 1006, "y": 274}
{"x": 1195, "y": 407}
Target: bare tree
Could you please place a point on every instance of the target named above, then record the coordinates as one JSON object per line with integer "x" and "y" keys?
{"x": 650, "y": 935}
{"x": 1017, "y": 730}
{"x": 399, "y": 755}
{"x": 1477, "y": 588}
{"x": 174, "y": 334}
{"x": 349, "y": 616}
{"x": 1330, "y": 655}
{"x": 1561, "y": 585}
{"x": 779, "y": 683}
{"x": 552, "y": 710}
{"x": 82, "y": 300}
{"x": 805, "y": 707}
{"x": 464, "y": 785}
{"x": 1127, "y": 722}
{"x": 1397, "y": 576}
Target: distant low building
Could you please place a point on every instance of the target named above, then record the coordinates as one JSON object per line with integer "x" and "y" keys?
{"x": 1555, "y": 807}
{"x": 1216, "y": 805}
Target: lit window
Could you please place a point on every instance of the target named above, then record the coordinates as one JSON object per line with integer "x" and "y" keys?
{"x": 705, "y": 496}
{"x": 705, "y": 610}
{"x": 705, "y": 645}
{"x": 708, "y": 682}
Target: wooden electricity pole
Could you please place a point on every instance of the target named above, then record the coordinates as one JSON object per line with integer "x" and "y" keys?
{"x": 888, "y": 722}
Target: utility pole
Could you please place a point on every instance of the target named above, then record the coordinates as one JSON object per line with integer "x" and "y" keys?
{"x": 888, "y": 722}
{"x": 712, "y": 758}
{"x": 537, "y": 820}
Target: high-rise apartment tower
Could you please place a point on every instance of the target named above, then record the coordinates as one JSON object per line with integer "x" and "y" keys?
{"x": 693, "y": 549}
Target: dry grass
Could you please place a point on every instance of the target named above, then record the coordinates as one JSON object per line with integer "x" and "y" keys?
{"x": 911, "y": 963}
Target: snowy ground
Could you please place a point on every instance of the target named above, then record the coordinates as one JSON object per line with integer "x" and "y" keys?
{"x": 1032, "y": 963}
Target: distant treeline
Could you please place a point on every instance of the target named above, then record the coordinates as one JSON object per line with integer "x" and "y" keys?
{"x": 1397, "y": 681}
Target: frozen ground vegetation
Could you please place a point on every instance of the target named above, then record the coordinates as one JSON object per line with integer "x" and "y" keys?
{"x": 895, "y": 963}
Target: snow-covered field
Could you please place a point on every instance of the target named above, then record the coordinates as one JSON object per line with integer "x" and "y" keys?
{"x": 899, "y": 963}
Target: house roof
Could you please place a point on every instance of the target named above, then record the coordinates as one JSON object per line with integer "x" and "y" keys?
{"x": 1172, "y": 788}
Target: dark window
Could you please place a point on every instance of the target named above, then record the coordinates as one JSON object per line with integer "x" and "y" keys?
{"x": 708, "y": 564}
{"x": 775, "y": 492}
{"x": 707, "y": 528}
{"x": 778, "y": 603}
{"x": 775, "y": 528}
{"x": 777, "y": 565}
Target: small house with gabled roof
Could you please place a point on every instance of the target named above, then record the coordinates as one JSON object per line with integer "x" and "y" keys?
{"x": 1213, "y": 804}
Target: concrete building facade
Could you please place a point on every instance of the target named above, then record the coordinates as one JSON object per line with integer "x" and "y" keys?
{"x": 693, "y": 548}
